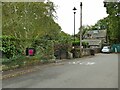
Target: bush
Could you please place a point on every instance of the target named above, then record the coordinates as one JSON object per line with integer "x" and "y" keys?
{"x": 77, "y": 43}
{"x": 19, "y": 61}
{"x": 10, "y": 46}
{"x": 85, "y": 44}
{"x": 44, "y": 49}
{"x": 14, "y": 58}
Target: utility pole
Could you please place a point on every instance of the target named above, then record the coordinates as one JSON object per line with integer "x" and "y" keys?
{"x": 80, "y": 29}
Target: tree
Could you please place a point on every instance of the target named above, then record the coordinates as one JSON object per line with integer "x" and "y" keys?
{"x": 84, "y": 30}
{"x": 29, "y": 21}
{"x": 113, "y": 9}
{"x": 102, "y": 24}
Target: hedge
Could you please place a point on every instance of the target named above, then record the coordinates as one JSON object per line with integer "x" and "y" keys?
{"x": 77, "y": 43}
{"x": 10, "y": 46}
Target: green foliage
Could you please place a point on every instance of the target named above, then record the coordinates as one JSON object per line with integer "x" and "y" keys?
{"x": 44, "y": 49}
{"x": 64, "y": 43}
{"x": 77, "y": 43}
{"x": 64, "y": 38}
{"x": 101, "y": 24}
{"x": 26, "y": 25}
{"x": 84, "y": 30}
{"x": 29, "y": 21}
{"x": 85, "y": 44}
{"x": 111, "y": 23}
{"x": 113, "y": 11}
{"x": 10, "y": 46}
{"x": 19, "y": 61}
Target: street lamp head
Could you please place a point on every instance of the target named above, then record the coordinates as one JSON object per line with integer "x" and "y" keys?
{"x": 81, "y": 4}
{"x": 74, "y": 9}
{"x": 74, "y": 12}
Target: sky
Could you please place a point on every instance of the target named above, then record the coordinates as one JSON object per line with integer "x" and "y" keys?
{"x": 93, "y": 10}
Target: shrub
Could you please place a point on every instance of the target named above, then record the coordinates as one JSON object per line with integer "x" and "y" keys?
{"x": 77, "y": 43}
{"x": 44, "y": 49}
{"x": 85, "y": 44}
{"x": 10, "y": 46}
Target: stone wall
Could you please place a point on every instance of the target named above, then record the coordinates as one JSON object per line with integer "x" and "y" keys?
{"x": 75, "y": 53}
{"x": 97, "y": 50}
{"x": 86, "y": 51}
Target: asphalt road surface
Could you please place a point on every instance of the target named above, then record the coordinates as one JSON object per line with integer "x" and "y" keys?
{"x": 99, "y": 71}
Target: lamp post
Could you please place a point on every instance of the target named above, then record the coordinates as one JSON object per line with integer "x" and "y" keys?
{"x": 74, "y": 9}
{"x": 80, "y": 29}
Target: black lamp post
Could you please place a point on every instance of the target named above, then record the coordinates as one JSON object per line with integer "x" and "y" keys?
{"x": 74, "y": 9}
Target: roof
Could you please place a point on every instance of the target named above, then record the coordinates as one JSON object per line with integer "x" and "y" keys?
{"x": 97, "y": 33}
{"x": 92, "y": 41}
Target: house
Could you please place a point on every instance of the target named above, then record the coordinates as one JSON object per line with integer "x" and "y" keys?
{"x": 96, "y": 34}
{"x": 95, "y": 38}
{"x": 93, "y": 43}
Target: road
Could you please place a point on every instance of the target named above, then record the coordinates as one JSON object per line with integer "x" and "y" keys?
{"x": 99, "y": 71}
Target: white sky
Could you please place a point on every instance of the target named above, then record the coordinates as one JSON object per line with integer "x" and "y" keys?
{"x": 93, "y": 10}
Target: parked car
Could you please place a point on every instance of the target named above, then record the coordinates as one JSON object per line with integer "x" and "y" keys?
{"x": 106, "y": 49}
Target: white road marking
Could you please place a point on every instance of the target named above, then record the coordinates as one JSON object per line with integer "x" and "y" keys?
{"x": 82, "y": 63}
